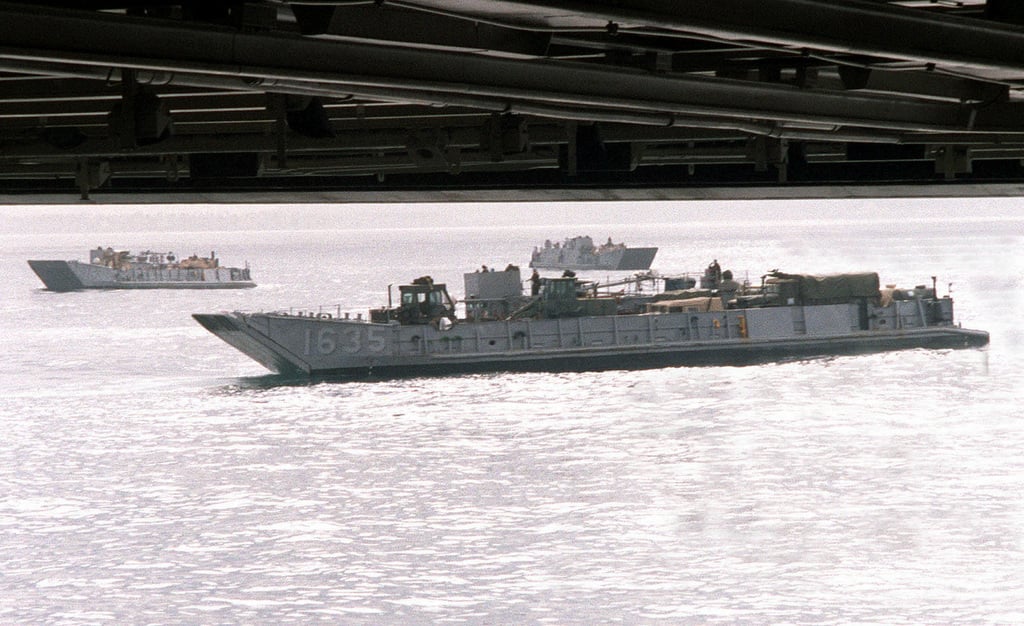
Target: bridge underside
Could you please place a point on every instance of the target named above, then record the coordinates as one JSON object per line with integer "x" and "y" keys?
{"x": 528, "y": 98}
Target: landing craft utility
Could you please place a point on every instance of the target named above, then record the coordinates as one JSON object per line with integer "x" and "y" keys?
{"x": 569, "y": 325}
{"x": 111, "y": 269}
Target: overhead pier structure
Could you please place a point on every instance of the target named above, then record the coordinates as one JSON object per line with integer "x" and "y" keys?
{"x": 512, "y": 98}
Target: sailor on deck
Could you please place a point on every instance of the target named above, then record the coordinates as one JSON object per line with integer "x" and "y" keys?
{"x": 535, "y": 283}
{"x": 728, "y": 287}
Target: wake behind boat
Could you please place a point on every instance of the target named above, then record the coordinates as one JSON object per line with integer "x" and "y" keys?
{"x": 110, "y": 269}
{"x": 569, "y": 326}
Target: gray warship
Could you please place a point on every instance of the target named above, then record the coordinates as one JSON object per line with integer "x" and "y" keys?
{"x": 580, "y": 253}
{"x": 572, "y": 326}
{"x": 111, "y": 269}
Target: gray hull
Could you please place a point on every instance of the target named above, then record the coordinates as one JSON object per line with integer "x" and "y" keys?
{"x": 319, "y": 346}
{"x": 637, "y": 259}
{"x": 614, "y": 260}
{"x": 73, "y": 276}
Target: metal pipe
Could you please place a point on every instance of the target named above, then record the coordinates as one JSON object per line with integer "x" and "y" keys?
{"x": 440, "y": 77}
{"x": 884, "y": 30}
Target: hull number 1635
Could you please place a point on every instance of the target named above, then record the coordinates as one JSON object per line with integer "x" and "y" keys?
{"x": 349, "y": 340}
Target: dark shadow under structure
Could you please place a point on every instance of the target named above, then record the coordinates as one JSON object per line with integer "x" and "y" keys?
{"x": 106, "y": 96}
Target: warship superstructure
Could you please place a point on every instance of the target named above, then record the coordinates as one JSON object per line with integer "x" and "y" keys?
{"x": 112, "y": 269}
{"x": 570, "y": 326}
{"x": 580, "y": 253}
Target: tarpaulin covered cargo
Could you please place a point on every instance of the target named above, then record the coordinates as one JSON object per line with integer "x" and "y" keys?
{"x": 833, "y": 288}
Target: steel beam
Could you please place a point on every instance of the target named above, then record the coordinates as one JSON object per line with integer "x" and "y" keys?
{"x": 849, "y": 27}
{"x": 440, "y": 77}
{"x": 390, "y": 22}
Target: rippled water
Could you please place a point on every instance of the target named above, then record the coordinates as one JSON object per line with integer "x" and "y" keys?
{"x": 149, "y": 473}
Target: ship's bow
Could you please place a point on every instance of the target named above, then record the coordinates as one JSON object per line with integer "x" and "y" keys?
{"x": 233, "y": 329}
{"x": 637, "y": 258}
{"x": 56, "y": 275}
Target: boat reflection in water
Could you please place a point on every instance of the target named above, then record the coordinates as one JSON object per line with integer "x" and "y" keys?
{"x": 574, "y": 325}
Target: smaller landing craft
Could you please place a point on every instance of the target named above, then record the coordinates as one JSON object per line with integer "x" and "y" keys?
{"x": 580, "y": 253}
{"x": 110, "y": 269}
{"x": 569, "y": 326}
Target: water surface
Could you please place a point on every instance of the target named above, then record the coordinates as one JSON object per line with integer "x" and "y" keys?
{"x": 149, "y": 473}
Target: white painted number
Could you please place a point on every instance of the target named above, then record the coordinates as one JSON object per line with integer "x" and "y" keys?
{"x": 351, "y": 341}
{"x": 326, "y": 341}
{"x": 375, "y": 340}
